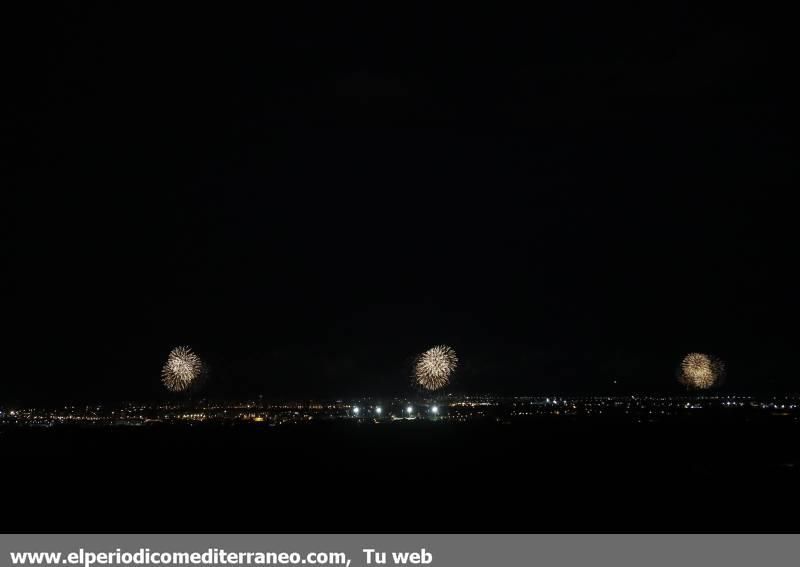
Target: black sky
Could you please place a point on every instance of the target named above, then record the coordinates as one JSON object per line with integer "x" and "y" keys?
{"x": 309, "y": 195}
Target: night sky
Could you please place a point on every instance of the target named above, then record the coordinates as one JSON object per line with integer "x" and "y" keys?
{"x": 309, "y": 195}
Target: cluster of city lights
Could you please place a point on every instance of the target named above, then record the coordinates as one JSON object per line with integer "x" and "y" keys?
{"x": 378, "y": 410}
{"x": 639, "y": 408}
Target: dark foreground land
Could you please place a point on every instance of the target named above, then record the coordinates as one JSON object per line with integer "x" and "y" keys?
{"x": 713, "y": 472}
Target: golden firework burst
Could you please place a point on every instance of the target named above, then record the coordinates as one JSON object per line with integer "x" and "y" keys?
{"x": 433, "y": 368}
{"x": 181, "y": 369}
{"x": 700, "y": 371}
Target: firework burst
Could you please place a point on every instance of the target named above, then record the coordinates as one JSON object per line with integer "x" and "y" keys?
{"x": 433, "y": 368}
{"x": 701, "y": 371}
{"x": 181, "y": 369}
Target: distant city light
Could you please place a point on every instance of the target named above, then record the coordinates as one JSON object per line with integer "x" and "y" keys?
{"x": 638, "y": 407}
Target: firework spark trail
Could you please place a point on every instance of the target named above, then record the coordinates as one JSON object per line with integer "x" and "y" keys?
{"x": 181, "y": 369}
{"x": 701, "y": 371}
{"x": 433, "y": 368}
